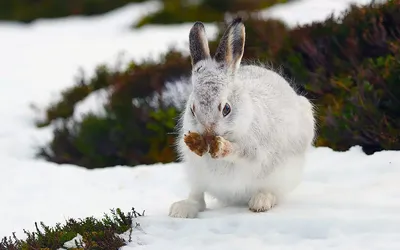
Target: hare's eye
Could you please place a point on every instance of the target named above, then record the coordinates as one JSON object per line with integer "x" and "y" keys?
{"x": 226, "y": 110}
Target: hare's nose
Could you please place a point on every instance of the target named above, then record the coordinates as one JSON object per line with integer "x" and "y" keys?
{"x": 209, "y": 128}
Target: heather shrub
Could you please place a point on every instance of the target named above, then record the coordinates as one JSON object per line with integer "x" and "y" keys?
{"x": 349, "y": 67}
{"x": 366, "y": 109}
{"x": 102, "y": 234}
{"x": 178, "y": 11}
{"x": 137, "y": 126}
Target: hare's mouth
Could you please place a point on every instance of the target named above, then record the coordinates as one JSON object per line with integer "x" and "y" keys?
{"x": 209, "y": 136}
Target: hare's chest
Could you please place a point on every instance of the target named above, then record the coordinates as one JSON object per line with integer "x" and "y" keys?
{"x": 229, "y": 182}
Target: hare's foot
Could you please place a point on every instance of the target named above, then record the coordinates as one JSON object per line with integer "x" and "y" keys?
{"x": 262, "y": 202}
{"x": 188, "y": 208}
{"x": 196, "y": 143}
{"x": 219, "y": 147}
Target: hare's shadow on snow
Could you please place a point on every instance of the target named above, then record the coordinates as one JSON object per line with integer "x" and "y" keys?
{"x": 216, "y": 209}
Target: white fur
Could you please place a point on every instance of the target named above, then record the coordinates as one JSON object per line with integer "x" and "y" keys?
{"x": 271, "y": 133}
{"x": 262, "y": 201}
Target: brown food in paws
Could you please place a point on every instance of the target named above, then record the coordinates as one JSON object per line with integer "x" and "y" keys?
{"x": 214, "y": 147}
{"x": 218, "y": 147}
{"x": 196, "y": 143}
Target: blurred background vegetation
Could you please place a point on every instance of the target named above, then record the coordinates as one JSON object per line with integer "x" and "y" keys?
{"x": 349, "y": 67}
{"x": 173, "y": 11}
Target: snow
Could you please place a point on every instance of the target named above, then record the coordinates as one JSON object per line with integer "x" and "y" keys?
{"x": 71, "y": 243}
{"x": 350, "y": 201}
{"x": 347, "y": 200}
{"x": 305, "y": 11}
{"x": 93, "y": 103}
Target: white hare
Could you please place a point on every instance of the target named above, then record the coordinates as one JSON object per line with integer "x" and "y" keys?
{"x": 245, "y": 131}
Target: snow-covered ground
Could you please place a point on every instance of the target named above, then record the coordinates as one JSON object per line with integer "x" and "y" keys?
{"x": 347, "y": 200}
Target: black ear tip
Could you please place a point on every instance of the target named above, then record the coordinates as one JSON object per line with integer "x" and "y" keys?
{"x": 198, "y": 24}
{"x": 196, "y": 28}
{"x": 237, "y": 21}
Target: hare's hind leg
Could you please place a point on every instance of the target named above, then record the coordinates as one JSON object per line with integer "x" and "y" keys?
{"x": 283, "y": 180}
{"x": 262, "y": 201}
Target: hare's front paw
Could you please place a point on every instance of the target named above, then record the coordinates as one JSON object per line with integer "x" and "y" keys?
{"x": 196, "y": 143}
{"x": 219, "y": 147}
{"x": 185, "y": 209}
{"x": 262, "y": 202}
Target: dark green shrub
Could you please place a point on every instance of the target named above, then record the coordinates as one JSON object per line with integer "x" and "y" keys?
{"x": 29, "y": 10}
{"x": 366, "y": 108}
{"x": 349, "y": 67}
{"x": 99, "y": 234}
{"x": 178, "y": 11}
{"x": 128, "y": 133}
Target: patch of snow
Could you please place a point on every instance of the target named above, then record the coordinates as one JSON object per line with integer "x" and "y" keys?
{"x": 301, "y": 12}
{"x": 71, "y": 244}
{"x": 94, "y": 103}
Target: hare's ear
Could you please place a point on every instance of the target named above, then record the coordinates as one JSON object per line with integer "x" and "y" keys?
{"x": 198, "y": 43}
{"x": 231, "y": 47}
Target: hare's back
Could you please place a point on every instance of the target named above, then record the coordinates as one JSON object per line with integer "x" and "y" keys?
{"x": 260, "y": 80}
{"x": 273, "y": 95}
